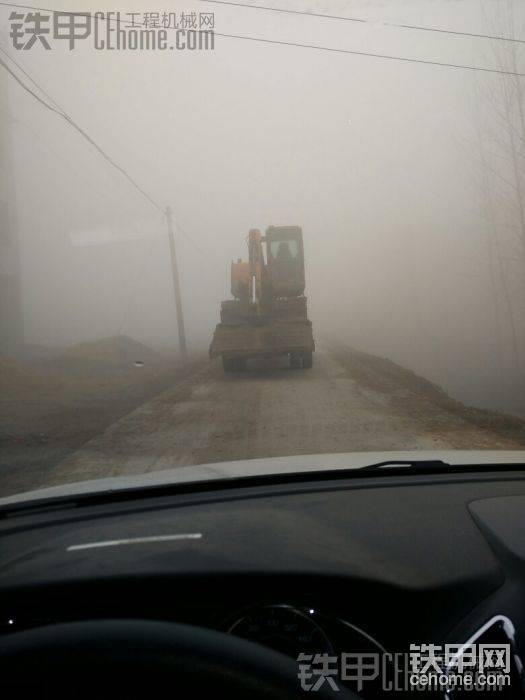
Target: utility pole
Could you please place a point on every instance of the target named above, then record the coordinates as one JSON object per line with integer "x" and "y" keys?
{"x": 176, "y": 287}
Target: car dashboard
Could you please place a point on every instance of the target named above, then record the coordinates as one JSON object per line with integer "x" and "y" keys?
{"x": 344, "y": 564}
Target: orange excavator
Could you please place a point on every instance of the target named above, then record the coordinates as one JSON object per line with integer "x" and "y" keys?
{"x": 268, "y": 314}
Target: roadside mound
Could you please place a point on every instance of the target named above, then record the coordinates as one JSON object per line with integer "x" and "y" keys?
{"x": 17, "y": 376}
{"x": 413, "y": 393}
{"x": 113, "y": 352}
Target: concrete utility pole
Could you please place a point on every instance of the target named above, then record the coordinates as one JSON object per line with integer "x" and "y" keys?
{"x": 176, "y": 287}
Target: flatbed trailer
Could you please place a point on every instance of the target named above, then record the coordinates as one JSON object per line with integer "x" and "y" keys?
{"x": 236, "y": 343}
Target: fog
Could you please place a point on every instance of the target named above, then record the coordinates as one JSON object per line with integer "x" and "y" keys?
{"x": 405, "y": 177}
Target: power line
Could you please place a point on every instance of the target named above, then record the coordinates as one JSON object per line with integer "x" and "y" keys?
{"x": 166, "y": 213}
{"x": 140, "y": 273}
{"x": 22, "y": 84}
{"x": 317, "y": 47}
{"x": 285, "y": 11}
{"x": 23, "y": 70}
{"x": 112, "y": 162}
{"x": 389, "y": 57}
{"x": 362, "y": 21}
{"x": 65, "y": 116}
{"x": 37, "y": 137}
{"x": 86, "y": 136}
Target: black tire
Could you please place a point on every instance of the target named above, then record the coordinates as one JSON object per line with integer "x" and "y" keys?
{"x": 308, "y": 360}
{"x": 295, "y": 360}
{"x": 228, "y": 364}
{"x": 233, "y": 364}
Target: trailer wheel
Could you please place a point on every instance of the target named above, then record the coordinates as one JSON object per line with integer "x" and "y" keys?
{"x": 307, "y": 360}
{"x": 229, "y": 364}
{"x": 233, "y": 364}
{"x": 295, "y": 360}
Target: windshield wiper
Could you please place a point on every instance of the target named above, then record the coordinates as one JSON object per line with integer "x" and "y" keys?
{"x": 411, "y": 463}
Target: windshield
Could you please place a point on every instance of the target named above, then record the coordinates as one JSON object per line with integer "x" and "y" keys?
{"x": 284, "y": 250}
{"x": 144, "y": 148}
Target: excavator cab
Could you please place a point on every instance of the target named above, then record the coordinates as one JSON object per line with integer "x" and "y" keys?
{"x": 285, "y": 260}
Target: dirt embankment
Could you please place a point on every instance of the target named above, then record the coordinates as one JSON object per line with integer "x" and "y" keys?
{"x": 51, "y": 406}
{"x": 420, "y": 398}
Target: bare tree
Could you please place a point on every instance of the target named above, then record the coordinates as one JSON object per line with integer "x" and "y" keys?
{"x": 501, "y": 153}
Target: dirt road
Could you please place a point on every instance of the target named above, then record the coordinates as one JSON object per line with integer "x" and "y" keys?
{"x": 348, "y": 402}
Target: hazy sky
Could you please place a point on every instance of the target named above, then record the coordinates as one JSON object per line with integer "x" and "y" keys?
{"x": 375, "y": 159}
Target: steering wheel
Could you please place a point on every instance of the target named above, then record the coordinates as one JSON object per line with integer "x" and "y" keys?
{"x": 181, "y": 659}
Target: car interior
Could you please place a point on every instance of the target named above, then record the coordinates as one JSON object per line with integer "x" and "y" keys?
{"x": 240, "y": 576}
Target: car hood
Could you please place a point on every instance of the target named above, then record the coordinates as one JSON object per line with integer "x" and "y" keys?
{"x": 262, "y": 467}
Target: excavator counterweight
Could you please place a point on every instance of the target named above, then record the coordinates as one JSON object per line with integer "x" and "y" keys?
{"x": 268, "y": 314}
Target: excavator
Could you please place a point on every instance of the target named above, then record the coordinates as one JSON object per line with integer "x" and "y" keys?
{"x": 267, "y": 316}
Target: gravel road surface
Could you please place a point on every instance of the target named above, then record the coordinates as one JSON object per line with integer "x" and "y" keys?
{"x": 348, "y": 402}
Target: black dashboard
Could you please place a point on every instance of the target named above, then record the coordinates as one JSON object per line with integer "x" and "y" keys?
{"x": 346, "y": 563}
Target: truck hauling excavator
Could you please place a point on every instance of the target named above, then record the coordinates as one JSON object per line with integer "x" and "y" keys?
{"x": 267, "y": 316}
